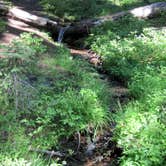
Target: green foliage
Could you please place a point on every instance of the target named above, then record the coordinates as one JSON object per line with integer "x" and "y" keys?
{"x": 73, "y": 111}
{"x": 141, "y": 131}
{"x": 116, "y": 44}
{"x": 74, "y": 10}
{"x": 46, "y": 96}
{"x": 14, "y": 162}
{"x": 34, "y": 160}
{"x": 135, "y": 53}
{"x": 65, "y": 8}
{"x": 81, "y": 9}
{"x": 2, "y": 25}
{"x": 159, "y": 21}
{"x": 129, "y": 49}
{"x": 33, "y": 42}
{"x": 148, "y": 82}
{"x": 128, "y": 4}
{"x": 70, "y": 95}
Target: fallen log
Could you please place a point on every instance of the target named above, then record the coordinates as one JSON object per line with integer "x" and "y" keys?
{"x": 26, "y": 17}
{"x": 144, "y": 12}
{"x": 84, "y": 26}
{"x": 140, "y": 12}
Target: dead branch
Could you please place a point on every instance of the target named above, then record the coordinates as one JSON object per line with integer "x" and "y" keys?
{"x": 47, "y": 152}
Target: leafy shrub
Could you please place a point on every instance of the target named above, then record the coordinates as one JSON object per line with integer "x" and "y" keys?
{"x": 137, "y": 57}
{"x": 141, "y": 131}
{"x": 33, "y": 161}
{"x": 115, "y": 43}
{"x": 16, "y": 162}
{"x": 46, "y": 96}
{"x": 35, "y": 43}
{"x": 81, "y": 9}
{"x": 65, "y": 8}
{"x": 127, "y": 50}
{"x": 147, "y": 83}
{"x": 75, "y": 10}
{"x": 73, "y": 111}
{"x": 70, "y": 95}
{"x": 159, "y": 21}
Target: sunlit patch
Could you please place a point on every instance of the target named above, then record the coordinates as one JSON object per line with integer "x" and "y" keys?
{"x": 138, "y": 12}
{"x": 28, "y": 17}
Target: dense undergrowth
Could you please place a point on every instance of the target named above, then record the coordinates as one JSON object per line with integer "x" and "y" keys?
{"x": 45, "y": 96}
{"x": 134, "y": 51}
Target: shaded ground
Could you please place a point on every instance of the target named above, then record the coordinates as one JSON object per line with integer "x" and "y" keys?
{"x": 28, "y": 5}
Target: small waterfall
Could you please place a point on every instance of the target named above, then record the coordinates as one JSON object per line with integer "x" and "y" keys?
{"x": 61, "y": 33}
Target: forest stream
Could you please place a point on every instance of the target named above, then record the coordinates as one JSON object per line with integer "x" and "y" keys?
{"x": 121, "y": 70}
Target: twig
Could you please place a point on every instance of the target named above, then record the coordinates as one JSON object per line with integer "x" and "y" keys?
{"x": 51, "y": 153}
{"x": 79, "y": 140}
{"x": 16, "y": 93}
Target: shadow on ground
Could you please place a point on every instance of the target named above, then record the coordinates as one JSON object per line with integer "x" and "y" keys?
{"x": 28, "y": 5}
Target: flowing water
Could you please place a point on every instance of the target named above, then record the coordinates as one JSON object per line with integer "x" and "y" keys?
{"x": 61, "y": 33}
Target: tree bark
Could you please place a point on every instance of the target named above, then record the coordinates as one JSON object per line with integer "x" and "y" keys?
{"x": 144, "y": 12}
{"x": 84, "y": 26}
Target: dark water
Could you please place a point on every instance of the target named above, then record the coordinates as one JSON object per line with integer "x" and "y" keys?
{"x": 61, "y": 33}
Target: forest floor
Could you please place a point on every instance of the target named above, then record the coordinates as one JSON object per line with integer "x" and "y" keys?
{"x": 105, "y": 152}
